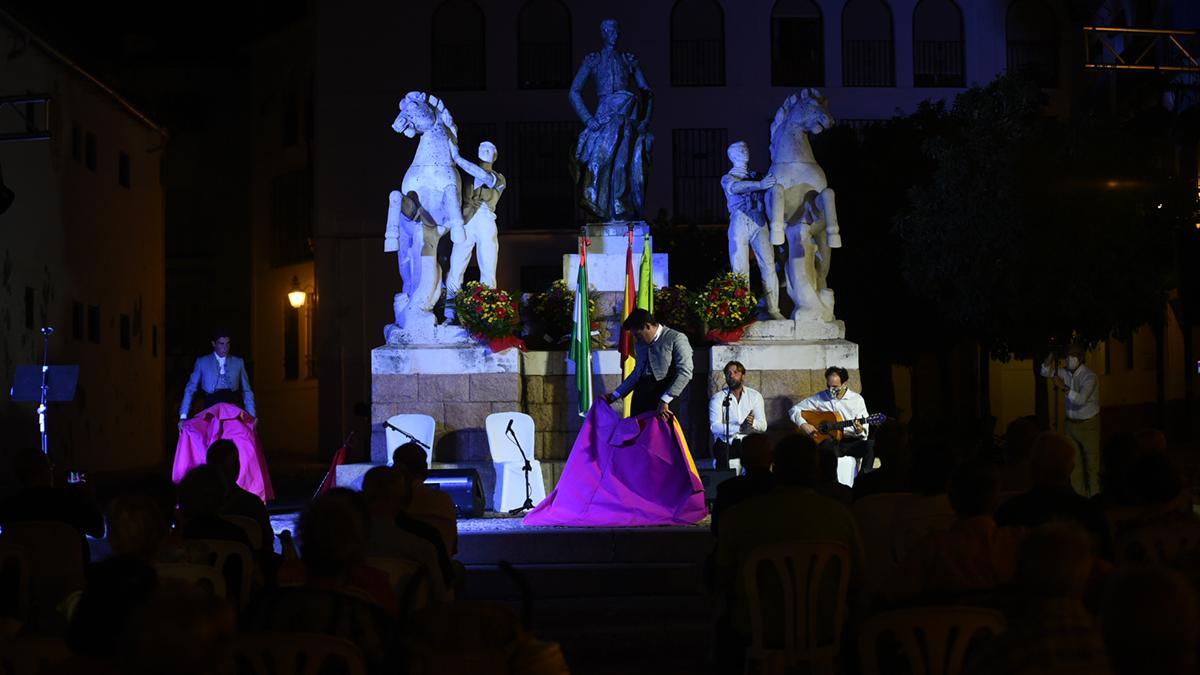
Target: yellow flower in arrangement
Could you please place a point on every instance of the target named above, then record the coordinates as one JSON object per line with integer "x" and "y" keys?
{"x": 486, "y": 312}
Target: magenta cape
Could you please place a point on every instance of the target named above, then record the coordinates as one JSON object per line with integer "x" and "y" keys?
{"x": 621, "y": 472}
{"x": 224, "y": 420}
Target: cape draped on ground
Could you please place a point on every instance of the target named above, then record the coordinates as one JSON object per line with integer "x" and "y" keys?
{"x": 622, "y": 472}
{"x": 224, "y": 420}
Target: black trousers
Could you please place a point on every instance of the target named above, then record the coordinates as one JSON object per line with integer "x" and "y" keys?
{"x": 722, "y": 452}
{"x": 861, "y": 448}
{"x": 231, "y": 396}
{"x": 647, "y": 393}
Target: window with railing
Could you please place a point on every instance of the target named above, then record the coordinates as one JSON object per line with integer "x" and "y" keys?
{"x": 938, "y": 56}
{"x": 697, "y": 44}
{"x": 698, "y": 162}
{"x": 868, "y": 49}
{"x": 458, "y": 47}
{"x": 1032, "y": 42}
{"x": 797, "y": 44}
{"x": 544, "y": 45}
{"x": 540, "y": 192}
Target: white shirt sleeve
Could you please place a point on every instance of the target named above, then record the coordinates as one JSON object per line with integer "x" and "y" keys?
{"x": 760, "y": 413}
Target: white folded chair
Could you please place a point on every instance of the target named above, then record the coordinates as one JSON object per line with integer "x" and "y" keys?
{"x": 510, "y": 467}
{"x": 421, "y": 426}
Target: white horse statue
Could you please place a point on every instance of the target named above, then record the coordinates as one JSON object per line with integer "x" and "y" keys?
{"x": 428, "y": 204}
{"x": 801, "y": 206}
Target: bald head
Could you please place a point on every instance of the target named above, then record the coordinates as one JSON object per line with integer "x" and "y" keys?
{"x": 1052, "y": 459}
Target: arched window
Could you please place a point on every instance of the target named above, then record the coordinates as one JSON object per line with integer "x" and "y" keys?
{"x": 458, "y": 53}
{"x": 697, "y": 44}
{"x": 1033, "y": 41}
{"x": 797, "y": 44}
{"x": 938, "y": 45}
{"x": 544, "y": 45}
{"x": 868, "y": 49}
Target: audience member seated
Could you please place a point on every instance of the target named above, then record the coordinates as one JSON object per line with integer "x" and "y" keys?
{"x": 757, "y": 479}
{"x": 895, "y": 463}
{"x": 928, "y": 510}
{"x": 1052, "y": 498}
{"x": 1158, "y": 491}
{"x": 429, "y": 504}
{"x": 223, "y": 454}
{"x": 827, "y": 480}
{"x": 37, "y": 500}
{"x": 183, "y": 630}
{"x": 1018, "y": 442}
{"x": 975, "y": 555}
{"x": 1149, "y": 622}
{"x": 117, "y": 588}
{"x": 201, "y": 496}
{"x": 136, "y": 527}
{"x": 386, "y": 493}
{"x": 791, "y": 511}
{"x": 1049, "y": 629}
{"x": 1150, "y": 440}
{"x": 332, "y": 600}
{"x": 1119, "y": 455}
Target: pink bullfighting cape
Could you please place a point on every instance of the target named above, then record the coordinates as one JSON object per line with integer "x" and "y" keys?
{"x": 224, "y": 420}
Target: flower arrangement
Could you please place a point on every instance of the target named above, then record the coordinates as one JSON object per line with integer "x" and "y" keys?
{"x": 674, "y": 306}
{"x": 554, "y": 311}
{"x": 726, "y": 302}
{"x": 486, "y": 312}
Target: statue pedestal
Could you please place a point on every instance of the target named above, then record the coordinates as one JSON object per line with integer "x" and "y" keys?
{"x": 606, "y": 257}
{"x": 786, "y": 361}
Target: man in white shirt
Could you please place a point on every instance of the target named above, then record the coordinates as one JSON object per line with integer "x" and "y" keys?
{"x": 221, "y": 377}
{"x": 837, "y": 397}
{"x": 1083, "y": 416}
{"x": 734, "y": 412}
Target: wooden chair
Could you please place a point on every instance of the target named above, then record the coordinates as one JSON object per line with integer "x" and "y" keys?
{"x": 56, "y": 552}
{"x": 295, "y": 654}
{"x": 15, "y": 580}
{"x": 31, "y": 655}
{"x": 800, "y": 576}
{"x": 204, "y": 576}
{"x": 408, "y": 578}
{"x": 253, "y": 530}
{"x": 236, "y": 563}
{"x": 935, "y": 640}
{"x": 876, "y": 518}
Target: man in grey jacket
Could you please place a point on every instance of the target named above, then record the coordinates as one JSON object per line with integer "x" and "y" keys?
{"x": 220, "y": 376}
{"x": 664, "y": 366}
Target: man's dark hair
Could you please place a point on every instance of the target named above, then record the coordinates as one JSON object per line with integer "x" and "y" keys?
{"x": 973, "y": 488}
{"x": 223, "y": 454}
{"x": 796, "y": 461}
{"x": 639, "y": 318}
{"x": 333, "y": 533}
{"x": 411, "y": 457}
{"x": 841, "y": 373}
{"x": 202, "y": 492}
{"x": 221, "y": 332}
{"x": 735, "y": 364}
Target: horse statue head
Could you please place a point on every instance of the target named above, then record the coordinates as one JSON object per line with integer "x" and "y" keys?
{"x": 421, "y": 113}
{"x": 805, "y": 112}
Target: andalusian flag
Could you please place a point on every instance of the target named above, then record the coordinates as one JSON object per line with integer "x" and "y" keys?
{"x": 645, "y": 295}
{"x": 627, "y": 351}
{"x": 581, "y": 335}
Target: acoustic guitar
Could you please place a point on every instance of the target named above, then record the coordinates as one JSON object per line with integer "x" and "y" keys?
{"x": 830, "y": 424}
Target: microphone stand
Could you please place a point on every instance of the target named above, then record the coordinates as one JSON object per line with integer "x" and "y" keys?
{"x": 41, "y": 410}
{"x": 728, "y": 441}
{"x": 412, "y": 438}
{"x": 527, "y": 468}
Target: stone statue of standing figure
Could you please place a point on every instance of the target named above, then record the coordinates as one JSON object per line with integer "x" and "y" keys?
{"x": 479, "y": 210}
{"x": 750, "y": 196}
{"x": 613, "y": 152}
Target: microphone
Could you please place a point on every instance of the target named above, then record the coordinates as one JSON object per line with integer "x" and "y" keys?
{"x": 510, "y": 423}
{"x": 48, "y": 330}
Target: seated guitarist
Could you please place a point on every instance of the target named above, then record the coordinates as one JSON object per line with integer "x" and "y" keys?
{"x": 848, "y": 405}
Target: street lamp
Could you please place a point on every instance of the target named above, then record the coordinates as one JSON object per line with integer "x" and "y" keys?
{"x": 296, "y": 297}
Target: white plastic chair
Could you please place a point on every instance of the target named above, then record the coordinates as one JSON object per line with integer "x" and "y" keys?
{"x": 847, "y": 470}
{"x": 421, "y": 426}
{"x": 510, "y": 468}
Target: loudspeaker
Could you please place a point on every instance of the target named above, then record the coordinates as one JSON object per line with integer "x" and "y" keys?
{"x": 711, "y": 478}
{"x": 463, "y": 486}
